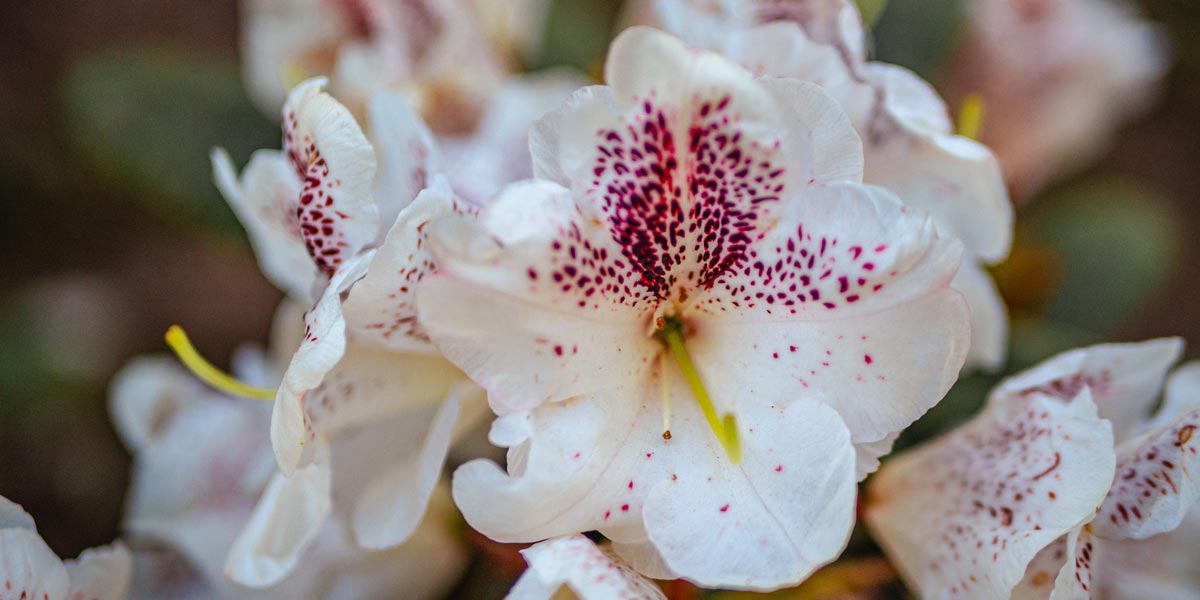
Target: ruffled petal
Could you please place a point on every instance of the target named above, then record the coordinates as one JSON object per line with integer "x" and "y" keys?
{"x": 393, "y": 505}
{"x": 28, "y": 566}
{"x": 1156, "y": 484}
{"x": 1125, "y": 379}
{"x": 264, "y": 200}
{"x": 335, "y": 211}
{"x": 381, "y": 308}
{"x": 589, "y": 572}
{"x": 544, "y": 333}
{"x": 288, "y": 517}
{"x": 292, "y": 433}
{"x": 967, "y": 513}
{"x": 407, "y": 155}
{"x": 848, "y": 298}
{"x": 771, "y": 521}
{"x": 104, "y": 573}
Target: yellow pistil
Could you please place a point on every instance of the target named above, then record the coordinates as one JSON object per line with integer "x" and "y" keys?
{"x": 970, "y": 116}
{"x": 725, "y": 428}
{"x": 207, "y": 372}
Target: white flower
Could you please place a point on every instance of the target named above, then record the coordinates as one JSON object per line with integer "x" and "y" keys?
{"x": 579, "y": 565}
{"x": 698, "y": 233}
{"x": 447, "y": 55}
{"x": 201, "y": 462}
{"x": 908, "y": 141}
{"x": 30, "y": 569}
{"x": 1058, "y": 77}
{"x": 1022, "y": 501}
{"x": 342, "y": 216}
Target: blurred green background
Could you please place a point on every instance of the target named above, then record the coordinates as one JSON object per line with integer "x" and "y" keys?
{"x": 113, "y": 230}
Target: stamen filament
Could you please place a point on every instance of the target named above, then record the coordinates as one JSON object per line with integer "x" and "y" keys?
{"x": 207, "y": 372}
{"x": 666, "y": 394}
{"x": 725, "y": 428}
{"x": 970, "y": 116}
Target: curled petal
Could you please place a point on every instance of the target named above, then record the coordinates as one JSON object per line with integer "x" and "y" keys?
{"x": 576, "y": 563}
{"x": 967, "y": 513}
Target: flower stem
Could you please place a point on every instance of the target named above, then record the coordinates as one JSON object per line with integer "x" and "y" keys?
{"x": 725, "y": 428}
{"x": 207, "y": 372}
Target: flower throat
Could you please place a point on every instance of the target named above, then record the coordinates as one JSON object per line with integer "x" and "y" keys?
{"x": 670, "y": 331}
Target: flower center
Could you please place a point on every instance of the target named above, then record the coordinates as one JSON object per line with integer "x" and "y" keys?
{"x": 670, "y": 331}
{"x": 209, "y": 373}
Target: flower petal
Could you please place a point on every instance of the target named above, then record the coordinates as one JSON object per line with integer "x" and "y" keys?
{"x": 967, "y": 513}
{"x": 292, "y": 434}
{"x": 104, "y": 573}
{"x": 145, "y": 393}
{"x": 288, "y": 517}
{"x": 28, "y": 566}
{"x": 393, "y": 505}
{"x": 588, "y": 571}
{"x": 1125, "y": 379}
{"x": 956, "y": 179}
{"x": 771, "y": 521}
{"x": 381, "y": 308}
{"x": 1156, "y": 483}
{"x": 1162, "y": 567}
{"x": 539, "y": 337}
{"x": 848, "y": 298}
{"x": 989, "y": 317}
{"x": 264, "y": 199}
{"x": 335, "y": 210}
{"x": 1181, "y": 396}
{"x": 407, "y": 154}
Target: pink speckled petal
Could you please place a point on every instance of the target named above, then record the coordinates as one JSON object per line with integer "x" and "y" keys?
{"x": 545, "y": 333}
{"x": 381, "y": 308}
{"x": 1156, "y": 483}
{"x": 292, "y": 434}
{"x": 29, "y": 568}
{"x": 103, "y": 573}
{"x": 574, "y": 562}
{"x": 408, "y": 157}
{"x": 772, "y": 520}
{"x": 1162, "y": 567}
{"x": 1125, "y": 379}
{"x": 335, "y": 209}
{"x": 966, "y": 514}
{"x": 286, "y": 520}
{"x": 264, "y": 199}
{"x": 847, "y": 299}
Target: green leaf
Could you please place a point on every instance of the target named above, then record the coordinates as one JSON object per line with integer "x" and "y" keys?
{"x": 145, "y": 120}
{"x": 1118, "y": 246}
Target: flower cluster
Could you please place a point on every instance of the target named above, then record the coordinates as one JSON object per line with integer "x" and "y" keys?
{"x": 695, "y": 306}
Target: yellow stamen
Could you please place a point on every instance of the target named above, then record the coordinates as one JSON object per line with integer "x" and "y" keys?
{"x": 207, "y": 372}
{"x": 666, "y": 394}
{"x": 970, "y": 116}
{"x": 725, "y": 428}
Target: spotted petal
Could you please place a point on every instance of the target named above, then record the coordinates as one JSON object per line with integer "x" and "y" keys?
{"x": 1125, "y": 379}
{"x": 335, "y": 210}
{"x": 28, "y": 566}
{"x": 576, "y": 563}
{"x": 847, "y": 298}
{"x": 407, "y": 155}
{"x": 1156, "y": 482}
{"x": 264, "y": 200}
{"x": 967, "y": 513}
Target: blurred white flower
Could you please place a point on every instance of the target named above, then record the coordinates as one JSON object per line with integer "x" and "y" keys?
{"x": 30, "y": 569}
{"x": 692, "y": 214}
{"x": 1022, "y": 501}
{"x": 446, "y": 55}
{"x": 1058, "y": 77}
{"x": 909, "y": 143}
{"x": 202, "y": 461}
